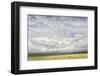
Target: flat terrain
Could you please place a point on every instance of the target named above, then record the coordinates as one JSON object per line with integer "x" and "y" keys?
{"x": 35, "y": 57}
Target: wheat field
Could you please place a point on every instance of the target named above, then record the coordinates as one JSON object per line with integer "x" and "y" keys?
{"x": 34, "y": 57}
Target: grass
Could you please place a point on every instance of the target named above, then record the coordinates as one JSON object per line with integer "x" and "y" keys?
{"x": 35, "y": 57}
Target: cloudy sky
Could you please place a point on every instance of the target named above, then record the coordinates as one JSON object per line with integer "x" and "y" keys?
{"x": 57, "y": 34}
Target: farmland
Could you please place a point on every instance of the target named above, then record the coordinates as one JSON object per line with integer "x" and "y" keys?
{"x": 35, "y": 57}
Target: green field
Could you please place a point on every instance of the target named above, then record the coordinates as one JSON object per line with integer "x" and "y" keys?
{"x": 35, "y": 57}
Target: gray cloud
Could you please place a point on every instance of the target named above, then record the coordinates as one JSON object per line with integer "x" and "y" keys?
{"x": 57, "y": 34}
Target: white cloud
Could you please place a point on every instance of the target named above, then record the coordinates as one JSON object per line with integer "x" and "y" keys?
{"x": 57, "y": 34}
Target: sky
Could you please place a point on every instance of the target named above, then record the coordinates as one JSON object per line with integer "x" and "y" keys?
{"x": 57, "y": 34}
